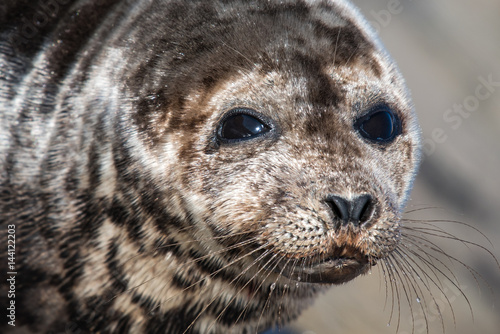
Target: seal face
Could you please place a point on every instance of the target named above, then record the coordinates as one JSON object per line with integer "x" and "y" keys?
{"x": 173, "y": 166}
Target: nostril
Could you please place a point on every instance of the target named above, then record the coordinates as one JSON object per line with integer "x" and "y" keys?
{"x": 362, "y": 208}
{"x": 339, "y": 206}
{"x": 357, "y": 211}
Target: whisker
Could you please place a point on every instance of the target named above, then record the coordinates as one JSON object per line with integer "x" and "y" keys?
{"x": 410, "y": 265}
{"x": 256, "y": 261}
{"x": 398, "y": 275}
{"x": 244, "y": 286}
{"x": 257, "y": 289}
{"x": 425, "y": 243}
{"x": 238, "y": 52}
{"x": 384, "y": 274}
{"x": 432, "y": 222}
{"x": 424, "y": 209}
{"x": 270, "y": 293}
{"x": 415, "y": 285}
{"x": 211, "y": 275}
{"x": 185, "y": 242}
{"x": 336, "y": 46}
{"x": 394, "y": 291}
{"x": 471, "y": 270}
{"x": 431, "y": 265}
{"x": 243, "y": 243}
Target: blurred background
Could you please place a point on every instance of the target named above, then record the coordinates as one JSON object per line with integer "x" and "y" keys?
{"x": 449, "y": 53}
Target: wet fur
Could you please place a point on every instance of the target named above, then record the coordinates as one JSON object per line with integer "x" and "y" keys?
{"x": 131, "y": 216}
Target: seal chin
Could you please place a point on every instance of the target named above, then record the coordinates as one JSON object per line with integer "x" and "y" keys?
{"x": 333, "y": 270}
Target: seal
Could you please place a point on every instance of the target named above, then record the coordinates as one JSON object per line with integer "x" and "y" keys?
{"x": 195, "y": 166}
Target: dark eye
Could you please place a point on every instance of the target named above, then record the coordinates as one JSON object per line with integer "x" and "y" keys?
{"x": 380, "y": 126}
{"x": 242, "y": 124}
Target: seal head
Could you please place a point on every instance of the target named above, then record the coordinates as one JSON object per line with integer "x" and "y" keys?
{"x": 303, "y": 140}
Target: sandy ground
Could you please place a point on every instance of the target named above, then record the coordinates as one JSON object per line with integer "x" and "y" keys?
{"x": 447, "y": 50}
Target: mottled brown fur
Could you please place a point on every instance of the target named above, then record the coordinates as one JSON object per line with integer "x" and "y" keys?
{"x": 133, "y": 215}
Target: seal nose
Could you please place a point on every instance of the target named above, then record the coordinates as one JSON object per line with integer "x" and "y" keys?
{"x": 357, "y": 211}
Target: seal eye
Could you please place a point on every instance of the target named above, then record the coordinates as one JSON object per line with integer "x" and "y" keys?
{"x": 241, "y": 125}
{"x": 380, "y": 126}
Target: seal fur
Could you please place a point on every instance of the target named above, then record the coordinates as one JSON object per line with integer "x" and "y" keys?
{"x": 132, "y": 215}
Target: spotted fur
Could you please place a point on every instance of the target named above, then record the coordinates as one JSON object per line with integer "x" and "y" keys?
{"x": 131, "y": 216}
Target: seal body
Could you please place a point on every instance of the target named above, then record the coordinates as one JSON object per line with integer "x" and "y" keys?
{"x": 195, "y": 166}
